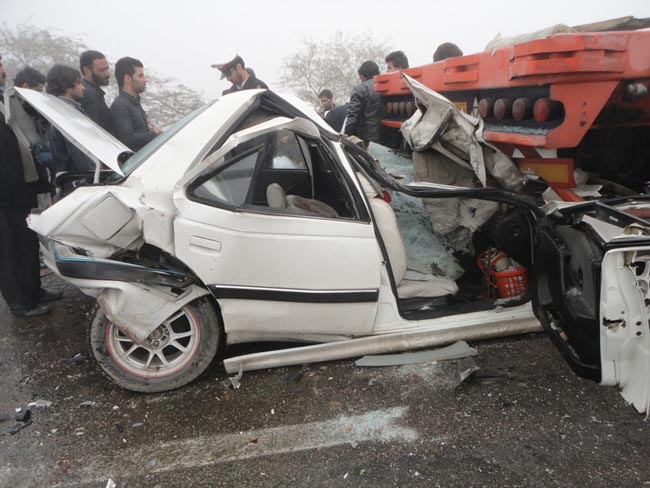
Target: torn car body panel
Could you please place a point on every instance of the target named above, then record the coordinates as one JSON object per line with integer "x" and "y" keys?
{"x": 439, "y": 125}
{"x": 88, "y": 137}
{"x": 101, "y": 220}
{"x": 624, "y": 336}
{"x": 138, "y": 310}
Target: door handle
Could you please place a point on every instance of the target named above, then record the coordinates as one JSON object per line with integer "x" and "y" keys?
{"x": 204, "y": 245}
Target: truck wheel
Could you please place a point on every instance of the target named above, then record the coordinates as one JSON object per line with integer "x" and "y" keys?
{"x": 174, "y": 354}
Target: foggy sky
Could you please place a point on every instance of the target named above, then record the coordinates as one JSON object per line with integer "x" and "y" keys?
{"x": 183, "y": 43}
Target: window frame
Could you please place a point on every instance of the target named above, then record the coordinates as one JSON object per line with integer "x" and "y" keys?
{"x": 359, "y": 211}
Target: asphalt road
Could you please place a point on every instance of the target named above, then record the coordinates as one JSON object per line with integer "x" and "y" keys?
{"x": 524, "y": 420}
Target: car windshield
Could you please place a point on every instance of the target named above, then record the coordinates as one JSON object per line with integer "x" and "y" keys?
{"x": 139, "y": 157}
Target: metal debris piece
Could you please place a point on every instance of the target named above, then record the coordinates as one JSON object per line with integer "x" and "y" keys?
{"x": 87, "y": 403}
{"x": 457, "y": 350}
{"x": 137, "y": 425}
{"x": 110, "y": 483}
{"x": 79, "y": 358}
{"x": 23, "y": 415}
{"x": 467, "y": 369}
{"x": 40, "y": 404}
{"x": 234, "y": 382}
{"x": 18, "y": 426}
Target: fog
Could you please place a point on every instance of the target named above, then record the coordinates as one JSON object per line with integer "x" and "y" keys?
{"x": 183, "y": 39}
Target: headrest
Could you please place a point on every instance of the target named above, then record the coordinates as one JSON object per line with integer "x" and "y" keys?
{"x": 276, "y": 196}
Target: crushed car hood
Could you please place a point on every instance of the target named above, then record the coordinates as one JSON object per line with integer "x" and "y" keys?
{"x": 91, "y": 139}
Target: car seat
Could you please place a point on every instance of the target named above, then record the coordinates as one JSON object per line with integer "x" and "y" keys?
{"x": 277, "y": 198}
{"x": 410, "y": 283}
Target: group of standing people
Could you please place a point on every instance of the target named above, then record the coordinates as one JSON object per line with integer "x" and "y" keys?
{"x": 26, "y": 168}
{"x": 362, "y": 114}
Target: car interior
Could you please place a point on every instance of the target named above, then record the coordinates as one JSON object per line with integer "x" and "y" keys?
{"x": 285, "y": 173}
{"x": 281, "y": 172}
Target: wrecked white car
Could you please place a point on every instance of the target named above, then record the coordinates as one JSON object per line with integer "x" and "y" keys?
{"x": 250, "y": 220}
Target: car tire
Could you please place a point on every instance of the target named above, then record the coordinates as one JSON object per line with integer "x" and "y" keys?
{"x": 174, "y": 354}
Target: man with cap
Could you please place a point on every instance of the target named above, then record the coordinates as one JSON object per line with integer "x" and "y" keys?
{"x": 242, "y": 78}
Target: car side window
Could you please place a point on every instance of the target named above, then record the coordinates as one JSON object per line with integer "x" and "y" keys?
{"x": 279, "y": 173}
{"x": 287, "y": 153}
{"x": 232, "y": 183}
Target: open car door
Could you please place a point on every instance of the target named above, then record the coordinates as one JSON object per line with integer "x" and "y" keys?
{"x": 592, "y": 291}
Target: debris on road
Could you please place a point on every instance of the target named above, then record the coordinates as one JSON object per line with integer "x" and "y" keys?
{"x": 457, "y": 350}
{"x": 23, "y": 414}
{"x": 18, "y": 426}
{"x": 88, "y": 403}
{"x": 40, "y": 404}
{"x": 467, "y": 369}
{"x": 234, "y": 382}
{"x": 79, "y": 358}
{"x": 110, "y": 483}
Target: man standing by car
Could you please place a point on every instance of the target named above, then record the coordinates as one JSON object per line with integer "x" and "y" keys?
{"x": 65, "y": 83}
{"x": 20, "y": 282}
{"x": 132, "y": 126}
{"x": 33, "y": 79}
{"x": 95, "y": 72}
{"x": 242, "y": 78}
{"x": 333, "y": 114}
{"x": 365, "y": 109}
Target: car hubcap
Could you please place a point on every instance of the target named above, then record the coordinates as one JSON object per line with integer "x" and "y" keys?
{"x": 167, "y": 350}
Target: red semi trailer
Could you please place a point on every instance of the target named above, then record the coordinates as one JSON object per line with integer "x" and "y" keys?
{"x": 575, "y": 100}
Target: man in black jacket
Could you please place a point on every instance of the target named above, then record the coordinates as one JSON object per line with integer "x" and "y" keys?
{"x": 95, "y": 73}
{"x": 241, "y": 78}
{"x": 365, "y": 109}
{"x": 20, "y": 282}
{"x": 65, "y": 83}
{"x": 132, "y": 126}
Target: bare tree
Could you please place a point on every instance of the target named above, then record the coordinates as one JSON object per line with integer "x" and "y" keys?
{"x": 166, "y": 100}
{"x": 27, "y": 45}
{"x": 331, "y": 64}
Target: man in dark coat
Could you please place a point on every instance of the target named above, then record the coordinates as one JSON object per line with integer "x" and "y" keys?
{"x": 336, "y": 117}
{"x": 365, "y": 109}
{"x": 96, "y": 73}
{"x": 235, "y": 72}
{"x": 65, "y": 83}
{"x": 132, "y": 126}
{"x": 20, "y": 282}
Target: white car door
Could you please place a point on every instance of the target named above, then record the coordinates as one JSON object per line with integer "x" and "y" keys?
{"x": 273, "y": 225}
{"x": 592, "y": 291}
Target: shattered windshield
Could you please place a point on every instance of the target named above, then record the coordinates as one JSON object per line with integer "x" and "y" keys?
{"x": 139, "y": 157}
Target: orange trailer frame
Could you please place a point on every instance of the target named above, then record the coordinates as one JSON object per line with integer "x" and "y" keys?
{"x": 597, "y": 79}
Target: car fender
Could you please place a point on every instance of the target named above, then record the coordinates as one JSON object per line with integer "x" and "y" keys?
{"x": 137, "y": 310}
